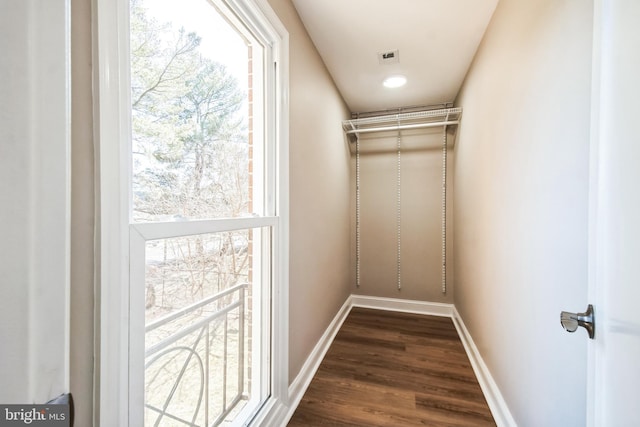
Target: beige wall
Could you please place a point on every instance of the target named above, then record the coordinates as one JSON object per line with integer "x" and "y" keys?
{"x": 421, "y": 216}
{"x": 319, "y": 194}
{"x": 521, "y": 186}
{"x": 82, "y": 214}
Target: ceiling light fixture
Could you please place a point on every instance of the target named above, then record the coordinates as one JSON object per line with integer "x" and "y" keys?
{"x": 395, "y": 81}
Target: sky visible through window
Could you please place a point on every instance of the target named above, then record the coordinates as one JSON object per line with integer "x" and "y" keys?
{"x": 220, "y": 42}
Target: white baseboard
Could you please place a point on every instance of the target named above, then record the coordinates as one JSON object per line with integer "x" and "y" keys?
{"x": 403, "y": 305}
{"x": 300, "y": 384}
{"x": 496, "y": 402}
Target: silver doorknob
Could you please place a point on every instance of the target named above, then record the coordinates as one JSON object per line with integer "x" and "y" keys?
{"x": 571, "y": 321}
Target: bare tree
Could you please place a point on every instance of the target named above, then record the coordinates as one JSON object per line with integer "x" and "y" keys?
{"x": 191, "y": 158}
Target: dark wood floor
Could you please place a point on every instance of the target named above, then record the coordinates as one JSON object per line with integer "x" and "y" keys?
{"x": 394, "y": 369}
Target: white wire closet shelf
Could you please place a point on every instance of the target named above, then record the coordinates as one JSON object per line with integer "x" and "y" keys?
{"x": 400, "y": 121}
{"x": 415, "y": 119}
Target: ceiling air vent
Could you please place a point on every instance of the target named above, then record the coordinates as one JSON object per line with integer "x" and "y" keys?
{"x": 389, "y": 57}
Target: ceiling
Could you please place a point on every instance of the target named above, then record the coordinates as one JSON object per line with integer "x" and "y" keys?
{"x": 435, "y": 42}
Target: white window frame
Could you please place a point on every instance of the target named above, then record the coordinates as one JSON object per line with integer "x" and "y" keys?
{"x": 112, "y": 117}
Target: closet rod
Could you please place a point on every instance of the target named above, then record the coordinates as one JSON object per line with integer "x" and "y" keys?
{"x": 402, "y": 127}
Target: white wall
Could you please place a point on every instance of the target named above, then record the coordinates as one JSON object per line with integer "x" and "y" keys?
{"x": 319, "y": 194}
{"x": 520, "y": 208}
{"x": 34, "y": 195}
{"x": 14, "y": 199}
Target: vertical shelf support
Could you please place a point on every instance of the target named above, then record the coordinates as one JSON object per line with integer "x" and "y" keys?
{"x": 357, "y": 211}
{"x": 399, "y": 212}
{"x": 444, "y": 210}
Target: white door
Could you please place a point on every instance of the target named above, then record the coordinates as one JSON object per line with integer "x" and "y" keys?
{"x": 614, "y": 361}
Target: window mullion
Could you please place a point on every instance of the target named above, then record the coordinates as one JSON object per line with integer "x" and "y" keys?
{"x": 165, "y": 230}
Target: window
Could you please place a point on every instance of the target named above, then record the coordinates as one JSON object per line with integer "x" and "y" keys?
{"x": 194, "y": 207}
